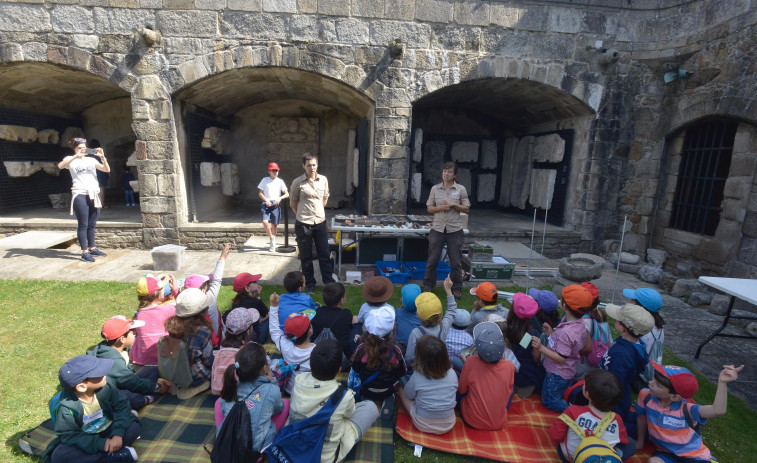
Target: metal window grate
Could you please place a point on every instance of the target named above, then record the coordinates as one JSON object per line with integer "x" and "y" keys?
{"x": 705, "y": 162}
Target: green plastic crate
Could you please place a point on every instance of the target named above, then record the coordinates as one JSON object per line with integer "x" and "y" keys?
{"x": 479, "y": 253}
{"x": 491, "y": 271}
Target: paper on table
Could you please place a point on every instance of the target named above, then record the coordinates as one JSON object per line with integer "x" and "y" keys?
{"x": 525, "y": 341}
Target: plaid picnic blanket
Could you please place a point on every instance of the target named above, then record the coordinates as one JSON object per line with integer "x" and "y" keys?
{"x": 524, "y": 439}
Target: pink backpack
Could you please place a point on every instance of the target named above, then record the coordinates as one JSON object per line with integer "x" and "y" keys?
{"x": 225, "y": 356}
{"x": 601, "y": 339}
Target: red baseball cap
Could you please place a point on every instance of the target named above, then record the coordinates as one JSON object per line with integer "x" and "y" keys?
{"x": 118, "y": 326}
{"x": 591, "y": 288}
{"x": 244, "y": 279}
{"x": 486, "y": 291}
{"x": 273, "y": 166}
{"x": 684, "y": 382}
{"x": 297, "y": 324}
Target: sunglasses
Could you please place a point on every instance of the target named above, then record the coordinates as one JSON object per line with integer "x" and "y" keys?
{"x": 80, "y": 140}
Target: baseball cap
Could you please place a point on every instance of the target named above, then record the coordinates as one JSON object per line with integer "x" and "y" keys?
{"x": 117, "y": 326}
{"x": 486, "y": 291}
{"x": 195, "y": 281}
{"x": 240, "y": 319}
{"x": 81, "y": 367}
{"x": 647, "y": 297}
{"x": 490, "y": 344}
{"x": 150, "y": 283}
{"x": 273, "y": 166}
{"x": 462, "y": 318}
{"x": 244, "y": 279}
{"x": 427, "y": 305}
{"x": 409, "y": 294}
{"x": 684, "y": 382}
{"x": 546, "y": 299}
{"x": 191, "y": 302}
{"x": 378, "y": 289}
{"x": 297, "y": 324}
{"x": 592, "y": 289}
{"x": 524, "y": 306}
{"x": 634, "y": 317}
{"x": 379, "y": 322}
{"x": 577, "y": 298}
{"x": 494, "y": 318}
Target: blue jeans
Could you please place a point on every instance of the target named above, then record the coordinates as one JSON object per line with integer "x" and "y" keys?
{"x": 66, "y": 454}
{"x": 86, "y": 216}
{"x": 129, "y": 197}
{"x": 137, "y": 400}
{"x": 552, "y": 392}
{"x": 261, "y": 331}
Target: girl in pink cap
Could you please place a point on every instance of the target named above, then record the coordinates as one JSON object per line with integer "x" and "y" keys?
{"x": 248, "y": 296}
{"x": 530, "y": 377}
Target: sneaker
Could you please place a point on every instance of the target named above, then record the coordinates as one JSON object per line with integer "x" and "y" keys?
{"x": 87, "y": 257}
{"x": 97, "y": 252}
{"x": 185, "y": 393}
{"x": 310, "y": 289}
{"x": 457, "y": 293}
{"x": 273, "y": 247}
{"x": 427, "y": 289}
{"x": 125, "y": 454}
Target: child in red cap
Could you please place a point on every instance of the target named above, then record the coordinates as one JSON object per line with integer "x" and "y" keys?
{"x": 486, "y": 304}
{"x": 294, "y": 342}
{"x": 272, "y": 190}
{"x": 664, "y": 411}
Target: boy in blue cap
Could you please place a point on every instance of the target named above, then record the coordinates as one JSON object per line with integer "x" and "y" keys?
{"x": 93, "y": 420}
{"x": 406, "y": 316}
{"x": 651, "y": 300}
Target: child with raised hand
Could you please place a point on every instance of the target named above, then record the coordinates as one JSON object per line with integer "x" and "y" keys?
{"x": 239, "y": 332}
{"x": 603, "y": 392}
{"x": 547, "y": 313}
{"x": 663, "y": 410}
{"x": 211, "y": 284}
{"x": 247, "y": 295}
{"x": 429, "y": 397}
{"x": 561, "y": 352}
{"x": 530, "y": 376}
{"x": 140, "y": 388}
{"x": 93, "y": 419}
{"x": 376, "y": 291}
{"x": 486, "y": 304}
{"x": 256, "y": 386}
{"x": 294, "y": 300}
{"x": 406, "y": 315}
{"x": 651, "y": 300}
{"x": 458, "y": 338}
{"x": 191, "y": 326}
{"x": 295, "y": 345}
{"x": 153, "y": 311}
{"x": 429, "y": 309}
{"x": 377, "y": 360}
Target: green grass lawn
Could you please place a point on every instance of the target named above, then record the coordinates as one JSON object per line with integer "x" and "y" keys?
{"x": 42, "y": 324}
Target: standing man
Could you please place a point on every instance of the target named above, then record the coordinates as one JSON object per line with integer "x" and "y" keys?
{"x": 308, "y": 196}
{"x": 272, "y": 190}
{"x": 446, "y": 201}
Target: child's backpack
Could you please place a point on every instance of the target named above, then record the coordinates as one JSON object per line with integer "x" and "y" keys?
{"x": 54, "y": 405}
{"x": 234, "y": 441}
{"x": 173, "y": 361}
{"x": 302, "y": 442}
{"x": 655, "y": 353}
{"x": 325, "y": 334}
{"x": 592, "y": 449}
{"x": 224, "y": 357}
{"x": 283, "y": 372}
{"x": 601, "y": 339}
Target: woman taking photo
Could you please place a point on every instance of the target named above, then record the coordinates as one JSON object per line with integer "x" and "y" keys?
{"x": 85, "y": 192}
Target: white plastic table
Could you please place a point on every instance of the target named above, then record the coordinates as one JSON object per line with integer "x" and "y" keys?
{"x": 737, "y": 288}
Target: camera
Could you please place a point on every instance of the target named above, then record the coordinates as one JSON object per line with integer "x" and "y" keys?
{"x": 91, "y": 151}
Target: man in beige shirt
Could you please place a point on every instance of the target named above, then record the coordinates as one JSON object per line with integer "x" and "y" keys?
{"x": 446, "y": 201}
{"x": 308, "y": 196}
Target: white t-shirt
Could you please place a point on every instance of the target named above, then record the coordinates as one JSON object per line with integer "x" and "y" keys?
{"x": 273, "y": 189}
{"x": 84, "y": 175}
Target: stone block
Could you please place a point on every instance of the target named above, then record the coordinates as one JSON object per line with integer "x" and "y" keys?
{"x": 743, "y": 165}
{"x": 416, "y": 186}
{"x": 522, "y": 161}
{"x": 471, "y": 13}
{"x": 542, "y": 188}
{"x": 50, "y": 136}
{"x": 188, "y": 23}
{"x": 148, "y": 186}
{"x": 719, "y": 304}
{"x": 303, "y": 28}
{"x": 280, "y": 6}
{"x": 18, "y": 169}
{"x": 152, "y": 131}
{"x": 415, "y": 35}
{"x": 733, "y": 210}
{"x": 350, "y": 30}
{"x": 548, "y": 148}
{"x": 686, "y": 286}
{"x": 504, "y": 15}
{"x": 487, "y": 187}
{"x": 69, "y": 134}
{"x": 390, "y": 168}
{"x": 697, "y": 299}
{"x": 464, "y": 151}
{"x": 656, "y": 257}
{"x": 18, "y": 133}
{"x": 244, "y": 5}
{"x": 33, "y": 51}
{"x": 28, "y": 18}
{"x": 737, "y": 187}
{"x": 650, "y": 273}
{"x": 192, "y": 71}
{"x": 307, "y": 6}
{"x": 215, "y": 5}
{"x": 334, "y": 7}
{"x": 229, "y": 179}
{"x": 368, "y": 8}
{"x": 72, "y": 19}
{"x": 628, "y": 258}
{"x": 150, "y": 88}
{"x": 167, "y": 185}
{"x": 399, "y": 9}
{"x": 533, "y": 18}
{"x": 439, "y": 11}
{"x": 564, "y": 20}
{"x": 392, "y": 152}
{"x": 122, "y": 20}
{"x": 727, "y": 230}
{"x": 489, "y": 154}
{"x": 252, "y": 25}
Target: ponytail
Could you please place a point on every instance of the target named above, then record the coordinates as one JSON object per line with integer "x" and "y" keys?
{"x": 229, "y": 390}
{"x": 250, "y": 362}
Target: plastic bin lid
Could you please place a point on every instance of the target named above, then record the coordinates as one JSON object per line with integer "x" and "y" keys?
{"x": 169, "y": 248}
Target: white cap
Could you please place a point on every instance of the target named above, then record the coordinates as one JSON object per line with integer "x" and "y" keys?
{"x": 380, "y": 322}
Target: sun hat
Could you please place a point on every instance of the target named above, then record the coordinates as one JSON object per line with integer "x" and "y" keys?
{"x": 150, "y": 283}
{"x": 240, "y": 319}
{"x": 380, "y": 322}
{"x": 297, "y": 324}
{"x": 591, "y": 288}
{"x": 634, "y": 317}
{"x": 244, "y": 279}
{"x": 117, "y": 326}
{"x": 486, "y": 291}
{"x": 409, "y": 294}
{"x": 195, "y": 281}
{"x": 524, "y": 306}
{"x": 462, "y": 319}
{"x": 427, "y": 305}
{"x": 684, "y": 382}
{"x": 577, "y": 298}
{"x": 191, "y": 302}
{"x": 273, "y": 166}
{"x": 647, "y": 297}
{"x": 546, "y": 299}
{"x": 81, "y": 367}
{"x": 378, "y": 289}
{"x": 490, "y": 344}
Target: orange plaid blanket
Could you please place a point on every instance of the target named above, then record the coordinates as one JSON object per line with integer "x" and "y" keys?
{"x": 524, "y": 440}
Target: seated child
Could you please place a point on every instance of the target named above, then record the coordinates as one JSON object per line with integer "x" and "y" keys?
{"x": 547, "y": 313}
{"x": 627, "y": 357}
{"x": 602, "y": 390}
{"x": 140, "y": 388}
{"x": 502, "y": 324}
{"x": 563, "y": 346}
{"x": 486, "y": 304}
{"x": 429, "y": 309}
{"x": 247, "y": 295}
{"x": 429, "y": 395}
{"x": 596, "y": 329}
{"x": 651, "y": 300}
{"x": 376, "y": 291}
{"x": 377, "y": 352}
{"x": 93, "y": 420}
{"x": 295, "y": 345}
{"x": 406, "y": 315}
{"x": 530, "y": 376}
{"x": 294, "y": 300}
{"x": 239, "y": 332}
{"x": 350, "y": 420}
{"x": 256, "y": 386}
{"x": 190, "y": 325}
{"x": 458, "y": 338}
{"x": 211, "y": 284}
{"x": 333, "y": 316}
{"x": 151, "y": 291}
{"x": 661, "y": 410}
{"x": 486, "y": 383}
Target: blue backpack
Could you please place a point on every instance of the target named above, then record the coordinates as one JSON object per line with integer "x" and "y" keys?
{"x": 302, "y": 442}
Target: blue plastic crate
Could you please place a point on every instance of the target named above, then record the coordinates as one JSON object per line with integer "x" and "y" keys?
{"x": 418, "y": 269}
{"x": 396, "y": 277}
